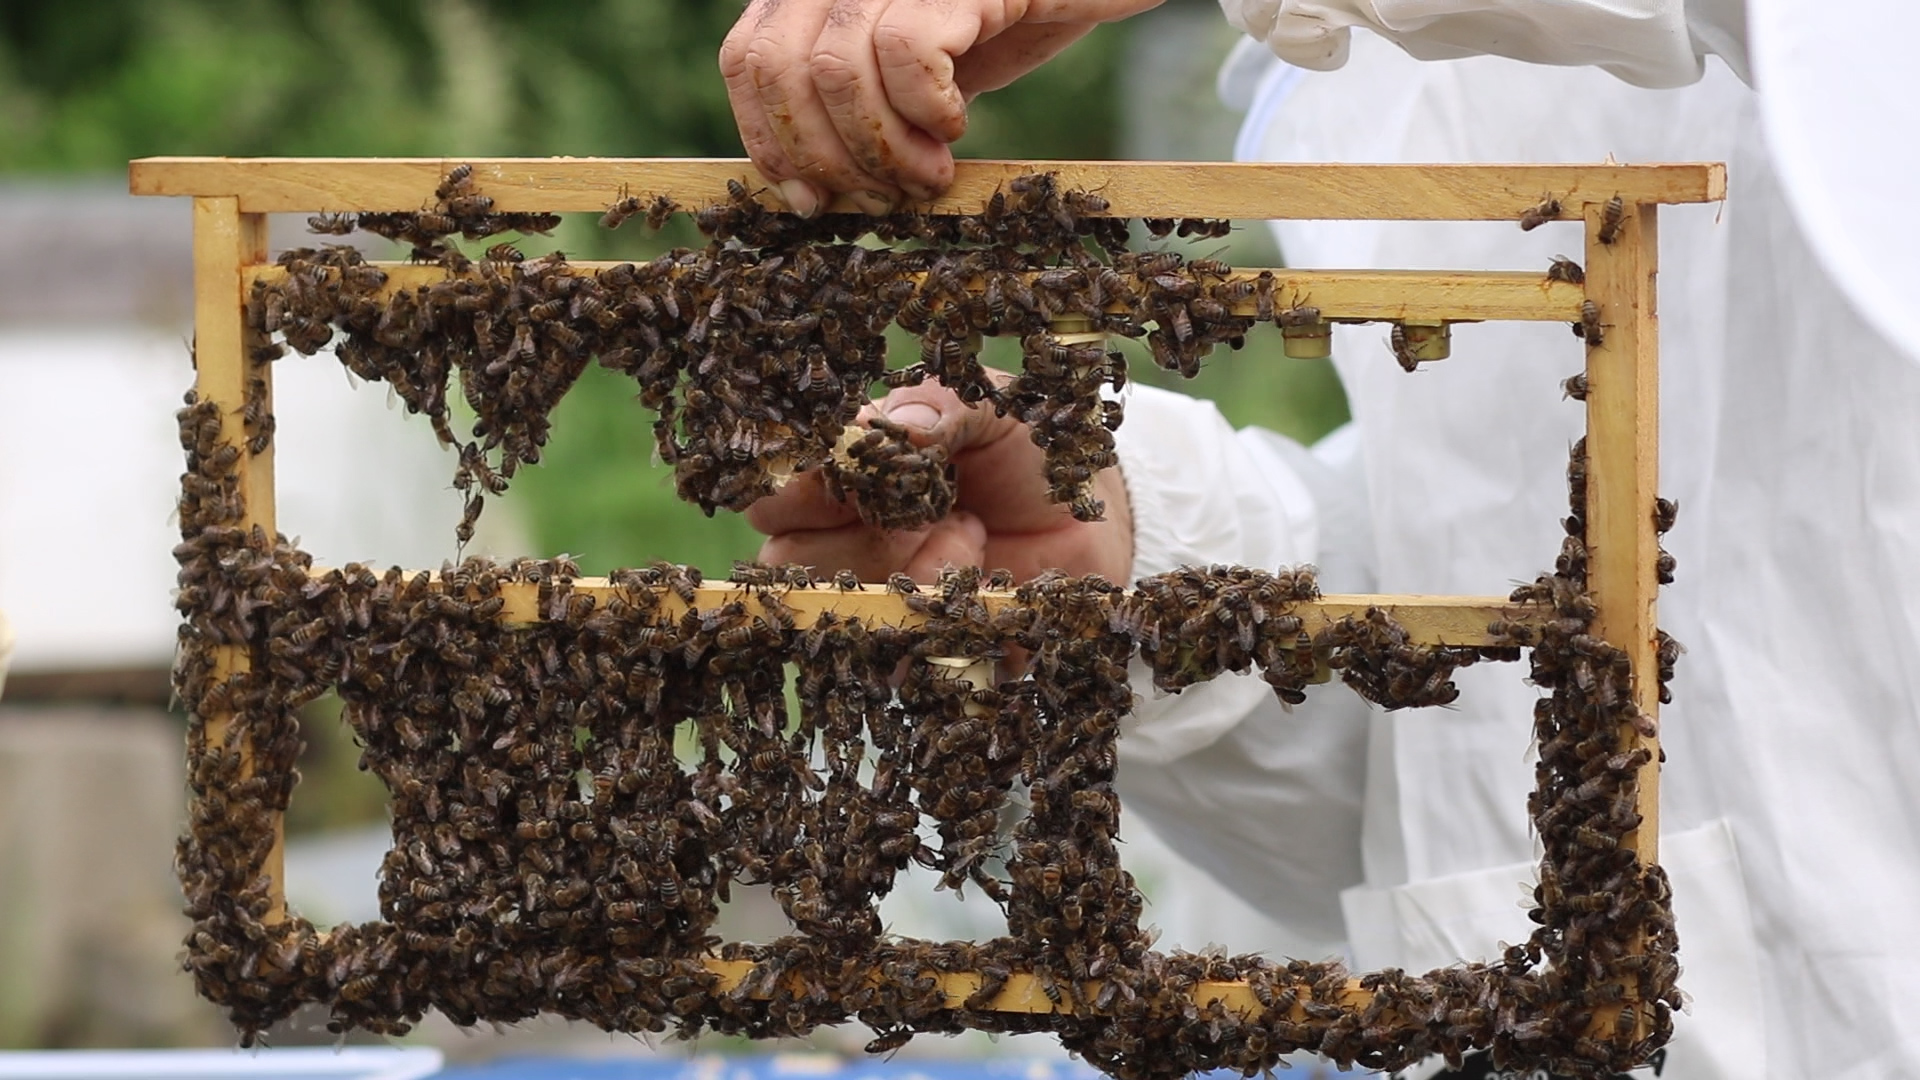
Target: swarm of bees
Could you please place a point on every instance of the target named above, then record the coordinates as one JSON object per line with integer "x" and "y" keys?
{"x": 761, "y": 346}
{"x": 893, "y": 483}
{"x": 553, "y": 851}
{"x": 458, "y": 210}
{"x": 1595, "y": 900}
{"x": 1376, "y": 659}
{"x": 1227, "y": 619}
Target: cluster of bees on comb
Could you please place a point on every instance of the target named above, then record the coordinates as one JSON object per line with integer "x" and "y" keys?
{"x": 892, "y": 483}
{"x": 758, "y": 350}
{"x": 557, "y": 849}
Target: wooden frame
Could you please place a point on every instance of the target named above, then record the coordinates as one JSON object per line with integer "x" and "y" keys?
{"x": 233, "y": 197}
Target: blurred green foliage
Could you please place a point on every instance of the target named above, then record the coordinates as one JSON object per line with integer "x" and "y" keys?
{"x": 87, "y": 84}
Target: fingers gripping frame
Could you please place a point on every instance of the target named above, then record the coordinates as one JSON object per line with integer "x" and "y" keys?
{"x": 1528, "y": 1005}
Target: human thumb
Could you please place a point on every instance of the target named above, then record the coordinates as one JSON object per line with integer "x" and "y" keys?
{"x": 916, "y": 416}
{"x": 931, "y": 413}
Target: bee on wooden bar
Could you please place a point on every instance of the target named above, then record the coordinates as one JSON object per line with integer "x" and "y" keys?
{"x": 1611, "y": 217}
{"x": 622, "y": 208}
{"x": 1589, "y": 327}
{"x": 1547, "y": 209}
{"x": 458, "y": 181}
{"x": 1402, "y": 350}
{"x": 1565, "y": 269}
{"x": 1665, "y": 513}
{"x": 333, "y": 224}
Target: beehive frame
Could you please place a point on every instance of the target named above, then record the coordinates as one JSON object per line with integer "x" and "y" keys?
{"x": 232, "y": 198}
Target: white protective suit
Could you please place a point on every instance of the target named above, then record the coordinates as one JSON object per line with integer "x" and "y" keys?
{"x": 1791, "y": 438}
{"x": 6, "y": 650}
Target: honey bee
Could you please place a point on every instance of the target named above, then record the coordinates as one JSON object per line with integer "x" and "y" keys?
{"x": 1547, "y": 209}
{"x": 1611, "y": 217}
{"x": 567, "y": 337}
{"x": 1402, "y": 351}
{"x": 1205, "y": 228}
{"x": 659, "y": 211}
{"x": 622, "y": 209}
{"x": 1589, "y": 327}
{"x": 1587, "y": 836}
{"x": 1565, "y": 269}
{"x": 333, "y": 224}
{"x": 458, "y": 180}
{"x": 890, "y": 1041}
{"x": 359, "y": 989}
{"x": 1665, "y": 513}
{"x": 467, "y": 207}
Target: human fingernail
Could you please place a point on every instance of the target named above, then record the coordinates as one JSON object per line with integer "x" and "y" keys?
{"x": 872, "y": 202}
{"x": 799, "y": 197}
{"x": 914, "y": 414}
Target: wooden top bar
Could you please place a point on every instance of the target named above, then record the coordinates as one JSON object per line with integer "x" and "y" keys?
{"x": 1132, "y": 188}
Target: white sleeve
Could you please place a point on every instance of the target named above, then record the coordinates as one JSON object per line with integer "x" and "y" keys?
{"x": 1202, "y": 493}
{"x": 1644, "y": 42}
{"x": 1268, "y": 802}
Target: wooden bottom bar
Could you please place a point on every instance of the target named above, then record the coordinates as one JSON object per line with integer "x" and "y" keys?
{"x": 1023, "y": 993}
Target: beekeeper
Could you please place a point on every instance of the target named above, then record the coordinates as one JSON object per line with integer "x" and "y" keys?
{"x": 1791, "y": 438}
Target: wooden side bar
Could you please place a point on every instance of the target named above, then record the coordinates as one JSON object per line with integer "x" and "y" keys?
{"x": 1369, "y": 295}
{"x": 1132, "y": 188}
{"x": 1623, "y": 467}
{"x": 226, "y": 240}
{"x": 1623, "y": 459}
{"x": 228, "y": 247}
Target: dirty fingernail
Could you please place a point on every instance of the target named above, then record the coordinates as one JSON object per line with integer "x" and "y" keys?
{"x": 800, "y": 197}
{"x": 872, "y": 202}
{"x": 914, "y": 414}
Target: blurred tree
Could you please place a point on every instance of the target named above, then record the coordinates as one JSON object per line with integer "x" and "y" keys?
{"x": 87, "y": 84}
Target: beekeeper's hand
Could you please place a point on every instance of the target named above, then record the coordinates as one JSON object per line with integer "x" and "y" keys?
{"x": 1002, "y": 517}
{"x": 863, "y": 96}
